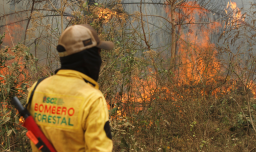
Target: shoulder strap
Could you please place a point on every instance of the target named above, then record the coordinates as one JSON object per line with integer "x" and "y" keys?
{"x": 33, "y": 91}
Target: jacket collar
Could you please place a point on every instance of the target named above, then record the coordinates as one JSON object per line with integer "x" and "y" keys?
{"x": 79, "y": 75}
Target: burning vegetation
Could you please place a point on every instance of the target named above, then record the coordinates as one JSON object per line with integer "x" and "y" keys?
{"x": 16, "y": 64}
{"x": 235, "y": 16}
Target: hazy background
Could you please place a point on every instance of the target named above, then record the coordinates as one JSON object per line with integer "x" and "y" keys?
{"x": 158, "y": 29}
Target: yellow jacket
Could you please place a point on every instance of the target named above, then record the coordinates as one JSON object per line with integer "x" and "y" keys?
{"x": 72, "y": 114}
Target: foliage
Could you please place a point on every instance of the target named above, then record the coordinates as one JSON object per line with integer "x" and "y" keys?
{"x": 16, "y": 64}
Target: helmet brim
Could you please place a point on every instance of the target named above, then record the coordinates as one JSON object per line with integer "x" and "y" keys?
{"x": 106, "y": 45}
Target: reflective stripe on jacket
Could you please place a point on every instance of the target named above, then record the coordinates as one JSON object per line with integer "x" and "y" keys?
{"x": 72, "y": 114}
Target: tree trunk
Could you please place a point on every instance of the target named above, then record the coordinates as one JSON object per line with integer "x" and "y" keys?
{"x": 173, "y": 43}
{"x": 62, "y": 7}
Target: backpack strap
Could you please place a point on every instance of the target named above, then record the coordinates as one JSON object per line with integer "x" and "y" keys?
{"x": 33, "y": 91}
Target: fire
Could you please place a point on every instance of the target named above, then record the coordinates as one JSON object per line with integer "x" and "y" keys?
{"x": 10, "y": 40}
{"x": 197, "y": 57}
{"x": 12, "y": 68}
{"x": 13, "y": 34}
{"x": 143, "y": 92}
{"x": 187, "y": 8}
{"x": 234, "y": 14}
{"x": 21, "y": 120}
{"x": 13, "y": 56}
{"x": 105, "y": 13}
{"x": 199, "y": 70}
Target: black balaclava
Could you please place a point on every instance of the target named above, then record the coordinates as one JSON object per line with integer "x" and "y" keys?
{"x": 87, "y": 62}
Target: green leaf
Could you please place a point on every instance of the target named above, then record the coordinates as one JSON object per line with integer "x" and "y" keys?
{"x": 164, "y": 149}
{"x": 127, "y": 124}
{"x": 124, "y": 143}
{"x": 6, "y": 120}
{"x": 85, "y": 5}
{"x": 17, "y": 120}
{"x": 113, "y": 111}
{"x": 96, "y": 4}
{"x": 24, "y": 132}
{"x": 24, "y": 85}
{"x": 11, "y": 57}
{"x": 13, "y": 130}
{"x": 9, "y": 132}
{"x": 254, "y": 106}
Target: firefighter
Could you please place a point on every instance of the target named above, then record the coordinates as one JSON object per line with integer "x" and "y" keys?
{"x": 68, "y": 106}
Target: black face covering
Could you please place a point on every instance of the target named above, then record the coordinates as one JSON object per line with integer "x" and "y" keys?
{"x": 87, "y": 62}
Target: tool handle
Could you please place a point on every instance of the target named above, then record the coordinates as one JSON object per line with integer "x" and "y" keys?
{"x": 23, "y": 112}
{"x": 34, "y": 132}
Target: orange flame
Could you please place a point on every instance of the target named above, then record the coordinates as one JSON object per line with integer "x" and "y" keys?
{"x": 12, "y": 36}
{"x": 198, "y": 63}
{"x": 234, "y": 13}
{"x": 21, "y": 120}
{"x": 105, "y": 13}
{"x": 197, "y": 54}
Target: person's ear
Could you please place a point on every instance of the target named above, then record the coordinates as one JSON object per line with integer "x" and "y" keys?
{"x": 60, "y": 48}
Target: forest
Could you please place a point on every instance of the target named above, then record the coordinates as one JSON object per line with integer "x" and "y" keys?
{"x": 180, "y": 77}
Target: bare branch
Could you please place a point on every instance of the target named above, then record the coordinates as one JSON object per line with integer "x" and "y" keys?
{"x": 180, "y": 2}
{"x": 32, "y": 8}
{"x": 182, "y": 23}
{"x": 18, "y": 12}
{"x": 27, "y": 19}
